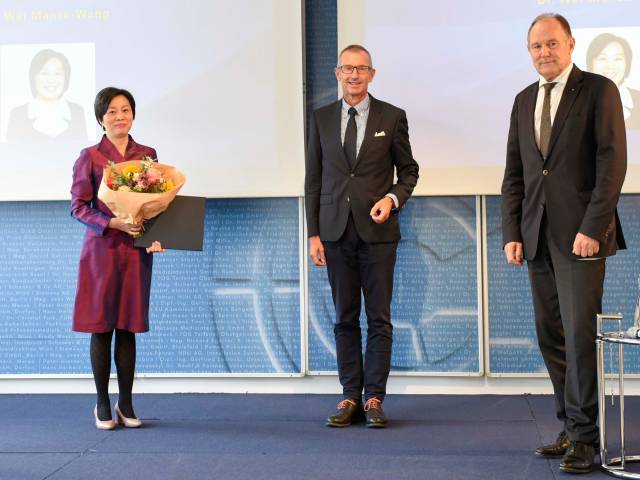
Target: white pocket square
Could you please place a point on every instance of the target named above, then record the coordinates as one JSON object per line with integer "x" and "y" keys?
{"x": 379, "y": 134}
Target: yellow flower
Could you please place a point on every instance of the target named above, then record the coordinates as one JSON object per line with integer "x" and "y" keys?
{"x": 130, "y": 170}
{"x": 168, "y": 185}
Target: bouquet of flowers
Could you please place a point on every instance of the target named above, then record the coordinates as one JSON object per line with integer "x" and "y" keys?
{"x": 138, "y": 190}
{"x": 143, "y": 177}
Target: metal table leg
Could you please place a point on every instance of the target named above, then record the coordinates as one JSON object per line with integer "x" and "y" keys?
{"x": 615, "y": 466}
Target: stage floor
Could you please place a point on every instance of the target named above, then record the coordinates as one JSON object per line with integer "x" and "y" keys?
{"x": 252, "y": 437}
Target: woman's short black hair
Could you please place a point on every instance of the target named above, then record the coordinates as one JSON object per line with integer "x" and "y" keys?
{"x": 104, "y": 97}
{"x": 599, "y": 43}
{"x": 39, "y": 61}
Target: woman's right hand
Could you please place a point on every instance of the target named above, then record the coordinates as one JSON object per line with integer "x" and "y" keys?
{"x": 133, "y": 229}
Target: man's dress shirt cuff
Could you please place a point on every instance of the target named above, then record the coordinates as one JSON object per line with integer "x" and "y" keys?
{"x": 394, "y": 198}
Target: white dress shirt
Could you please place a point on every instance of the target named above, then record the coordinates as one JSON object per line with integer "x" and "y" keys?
{"x": 361, "y": 118}
{"x": 556, "y": 95}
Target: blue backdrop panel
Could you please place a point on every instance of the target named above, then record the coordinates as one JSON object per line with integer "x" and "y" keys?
{"x": 40, "y": 247}
{"x": 235, "y": 307}
{"x": 232, "y": 308}
{"x": 513, "y": 345}
{"x": 435, "y": 306}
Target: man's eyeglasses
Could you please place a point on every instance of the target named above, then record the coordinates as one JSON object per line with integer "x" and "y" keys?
{"x": 350, "y": 68}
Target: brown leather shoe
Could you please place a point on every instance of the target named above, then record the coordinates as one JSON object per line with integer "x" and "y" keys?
{"x": 578, "y": 459}
{"x": 374, "y": 413}
{"x": 556, "y": 449}
{"x": 349, "y": 411}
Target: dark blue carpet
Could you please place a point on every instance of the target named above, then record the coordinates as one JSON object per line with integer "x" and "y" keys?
{"x": 283, "y": 437}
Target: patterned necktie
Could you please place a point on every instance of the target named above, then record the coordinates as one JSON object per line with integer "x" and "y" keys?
{"x": 350, "y": 138}
{"x": 545, "y": 121}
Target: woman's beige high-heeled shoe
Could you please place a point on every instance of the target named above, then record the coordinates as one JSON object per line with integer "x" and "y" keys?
{"x": 127, "y": 422}
{"x": 103, "y": 424}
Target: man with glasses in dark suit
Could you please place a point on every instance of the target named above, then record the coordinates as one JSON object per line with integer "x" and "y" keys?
{"x": 356, "y": 146}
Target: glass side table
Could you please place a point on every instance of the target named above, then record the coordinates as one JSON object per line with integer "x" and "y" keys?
{"x": 615, "y": 466}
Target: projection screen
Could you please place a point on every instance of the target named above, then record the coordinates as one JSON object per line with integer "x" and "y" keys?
{"x": 218, "y": 86}
{"x": 456, "y": 66}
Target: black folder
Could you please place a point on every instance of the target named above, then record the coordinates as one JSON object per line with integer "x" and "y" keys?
{"x": 180, "y": 227}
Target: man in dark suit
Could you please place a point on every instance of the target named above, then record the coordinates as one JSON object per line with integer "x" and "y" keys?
{"x": 566, "y": 162}
{"x": 351, "y": 203}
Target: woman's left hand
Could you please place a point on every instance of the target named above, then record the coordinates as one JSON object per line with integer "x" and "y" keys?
{"x": 155, "y": 247}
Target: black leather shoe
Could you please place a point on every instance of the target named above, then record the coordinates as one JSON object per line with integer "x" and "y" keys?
{"x": 374, "y": 414}
{"x": 556, "y": 449}
{"x": 578, "y": 459}
{"x": 349, "y": 411}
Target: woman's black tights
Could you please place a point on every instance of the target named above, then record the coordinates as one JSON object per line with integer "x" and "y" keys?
{"x": 125, "y": 359}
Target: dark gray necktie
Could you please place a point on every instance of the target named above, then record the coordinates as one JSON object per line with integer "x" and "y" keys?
{"x": 351, "y": 138}
{"x": 545, "y": 121}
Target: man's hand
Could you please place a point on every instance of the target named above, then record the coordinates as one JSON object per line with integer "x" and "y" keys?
{"x": 513, "y": 252}
{"x": 381, "y": 210}
{"x": 316, "y": 251}
{"x": 584, "y": 246}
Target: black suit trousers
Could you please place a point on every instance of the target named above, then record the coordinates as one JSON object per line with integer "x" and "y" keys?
{"x": 357, "y": 268}
{"x": 567, "y": 296}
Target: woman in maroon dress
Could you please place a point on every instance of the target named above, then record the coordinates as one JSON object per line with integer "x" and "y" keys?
{"x": 114, "y": 277}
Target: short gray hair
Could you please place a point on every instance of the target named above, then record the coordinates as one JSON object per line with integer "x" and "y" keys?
{"x": 356, "y": 48}
{"x": 564, "y": 23}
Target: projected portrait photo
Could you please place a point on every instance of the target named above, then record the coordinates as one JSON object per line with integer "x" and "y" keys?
{"x": 49, "y": 110}
{"x": 612, "y": 56}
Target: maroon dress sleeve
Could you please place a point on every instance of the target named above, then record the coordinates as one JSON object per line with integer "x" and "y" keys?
{"x": 84, "y": 190}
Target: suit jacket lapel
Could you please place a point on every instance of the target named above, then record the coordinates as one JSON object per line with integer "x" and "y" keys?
{"x": 375, "y": 115}
{"x": 530, "y": 112}
{"x": 570, "y": 93}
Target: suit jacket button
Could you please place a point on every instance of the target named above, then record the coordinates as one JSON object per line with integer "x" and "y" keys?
{"x": 348, "y": 199}
{"x": 545, "y": 172}
{"x": 352, "y": 175}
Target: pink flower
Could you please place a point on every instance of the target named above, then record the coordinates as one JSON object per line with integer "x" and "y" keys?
{"x": 154, "y": 175}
